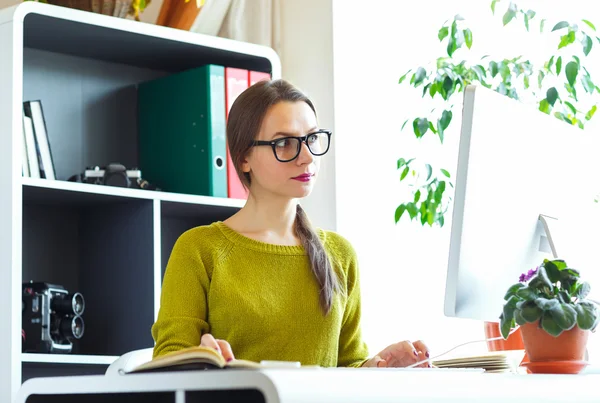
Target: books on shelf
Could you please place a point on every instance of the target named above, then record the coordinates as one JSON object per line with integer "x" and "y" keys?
{"x": 37, "y": 161}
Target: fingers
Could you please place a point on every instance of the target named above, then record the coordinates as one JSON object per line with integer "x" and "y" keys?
{"x": 225, "y": 350}
{"x": 421, "y": 347}
{"x": 221, "y": 346}
{"x": 208, "y": 340}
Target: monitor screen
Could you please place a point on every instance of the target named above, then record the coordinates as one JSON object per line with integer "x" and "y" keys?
{"x": 516, "y": 164}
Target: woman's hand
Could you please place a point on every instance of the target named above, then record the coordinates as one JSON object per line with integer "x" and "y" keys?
{"x": 221, "y": 346}
{"x": 401, "y": 354}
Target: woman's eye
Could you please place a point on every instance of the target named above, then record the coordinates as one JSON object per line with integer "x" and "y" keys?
{"x": 282, "y": 143}
{"x": 312, "y": 138}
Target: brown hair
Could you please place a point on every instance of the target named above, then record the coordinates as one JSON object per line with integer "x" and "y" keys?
{"x": 243, "y": 125}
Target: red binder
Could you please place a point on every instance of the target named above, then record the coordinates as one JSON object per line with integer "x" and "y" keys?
{"x": 236, "y": 81}
{"x": 256, "y": 76}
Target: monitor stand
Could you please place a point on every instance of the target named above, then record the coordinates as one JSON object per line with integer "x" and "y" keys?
{"x": 551, "y": 227}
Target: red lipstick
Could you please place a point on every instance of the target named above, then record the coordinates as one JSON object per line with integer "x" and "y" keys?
{"x": 303, "y": 177}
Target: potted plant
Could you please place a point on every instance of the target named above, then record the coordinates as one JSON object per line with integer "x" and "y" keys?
{"x": 550, "y": 306}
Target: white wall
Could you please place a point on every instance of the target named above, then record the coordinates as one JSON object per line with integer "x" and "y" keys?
{"x": 403, "y": 266}
{"x": 307, "y": 62}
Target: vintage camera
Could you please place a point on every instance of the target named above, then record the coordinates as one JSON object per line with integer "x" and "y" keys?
{"x": 113, "y": 174}
{"x": 51, "y": 318}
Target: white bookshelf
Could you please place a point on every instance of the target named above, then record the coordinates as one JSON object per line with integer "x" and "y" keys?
{"x": 111, "y": 244}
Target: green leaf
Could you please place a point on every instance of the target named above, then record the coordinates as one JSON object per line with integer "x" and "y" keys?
{"x": 527, "y": 293}
{"x": 571, "y": 107}
{"x": 417, "y": 196}
{"x": 558, "y": 65}
{"x": 431, "y": 127}
{"x": 519, "y": 317}
{"x": 541, "y": 76}
{"x": 540, "y": 280}
{"x": 587, "y": 315}
{"x": 442, "y": 33}
{"x": 560, "y": 25}
{"x": 513, "y": 289}
{"x": 399, "y": 211}
{"x": 526, "y": 20}
{"x": 468, "y": 37}
{"x": 571, "y": 71}
{"x": 446, "y": 173}
{"x": 404, "y": 76}
{"x": 418, "y": 77}
{"x": 439, "y": 191}
{"x": 530, "y": 311}
{"x": 452, "y": 40}
{"x": 583, "y": 290}
{"x": 412, "y": 210}
{"x": 587, "y": 44}
{"x": 494, "y": 6}
{"x": 587, "y": 84}
{"x": 589, "y": 24}
{"x": 429, "y": 171}
{"x": 404, "y": 173}
{"x": 530, "y": 14}
{"x": 542, "y": 22}
{"x": 567, "y": 39}
{"x": 505, "y": 326}
{"x": 553, "y": 269}
{"x": 493, "y": 68}
{"x": 591, "y": 112}
{"x": 564, "y": 297}
{"x": 552, "y": 95}
{"x": 420, "y": 126}
{"x": 526, "y": 82}
{"x": 401, "y": 163}
{"x": 510, "y": 14}
{"x": 546, "y": 304}
{"x": 447, "y": 88}
{"x": 404, "y": 124}
{"x": 446, "y": 118}
{"x": 550, "y": 326}
{"x": 544, "y": 106}
{"x": 564, "y": 315}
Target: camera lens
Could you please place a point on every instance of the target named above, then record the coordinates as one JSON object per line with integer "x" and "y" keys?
{"x": 72, "y": 327}
{"x": 71, "y": 304}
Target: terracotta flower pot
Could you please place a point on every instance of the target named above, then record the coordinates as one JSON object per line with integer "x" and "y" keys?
{"x": 570, "y": 345}
{"x": 513, "y": 342}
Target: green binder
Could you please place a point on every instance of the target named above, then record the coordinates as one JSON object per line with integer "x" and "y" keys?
{"x": 181, "y": 131}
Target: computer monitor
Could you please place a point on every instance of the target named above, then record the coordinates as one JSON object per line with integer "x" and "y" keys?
{"x": 515, "y": 165}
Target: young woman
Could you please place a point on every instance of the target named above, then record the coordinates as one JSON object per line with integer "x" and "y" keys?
{"x": 263, "y": 284}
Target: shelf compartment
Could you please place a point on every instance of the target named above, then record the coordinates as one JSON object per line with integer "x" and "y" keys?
{"x": 100, "y": 246}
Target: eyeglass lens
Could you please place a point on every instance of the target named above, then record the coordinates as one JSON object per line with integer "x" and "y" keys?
{"x": 288, "y": 148}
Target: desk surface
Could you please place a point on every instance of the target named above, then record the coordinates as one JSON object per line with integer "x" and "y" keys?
{"x": 314, "y": 385}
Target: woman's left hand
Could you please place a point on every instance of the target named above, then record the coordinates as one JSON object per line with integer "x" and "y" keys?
{"x": 402, "y": 354}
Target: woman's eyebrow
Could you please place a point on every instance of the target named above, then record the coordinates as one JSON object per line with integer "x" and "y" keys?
{"x": 286, "y": 134}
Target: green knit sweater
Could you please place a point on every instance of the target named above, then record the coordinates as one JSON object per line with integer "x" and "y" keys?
{"x": 262, "y": 298}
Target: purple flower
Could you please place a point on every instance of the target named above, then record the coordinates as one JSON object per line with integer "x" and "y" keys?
{"x": 525, "y": 277}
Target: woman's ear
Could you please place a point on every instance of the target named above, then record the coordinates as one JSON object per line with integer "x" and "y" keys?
{"x": 245, "y": 165}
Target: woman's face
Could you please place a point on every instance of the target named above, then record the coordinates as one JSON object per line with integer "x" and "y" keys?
{"x": 294, "y": 179}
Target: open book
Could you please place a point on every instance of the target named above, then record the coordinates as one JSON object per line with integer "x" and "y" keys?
{"x": 201, "y": 357}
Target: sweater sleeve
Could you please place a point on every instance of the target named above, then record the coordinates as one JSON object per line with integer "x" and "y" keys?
{"x": 353, "y": 351}
{"x": 182, "y": 318}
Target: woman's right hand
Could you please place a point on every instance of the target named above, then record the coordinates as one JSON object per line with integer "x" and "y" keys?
{"x": 221, "y": 346}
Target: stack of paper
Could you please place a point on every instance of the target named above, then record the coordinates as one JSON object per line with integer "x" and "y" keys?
{"x": 498, "y": 361}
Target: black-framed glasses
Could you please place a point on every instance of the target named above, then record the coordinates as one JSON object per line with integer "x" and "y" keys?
{"x": 287, "y": 149}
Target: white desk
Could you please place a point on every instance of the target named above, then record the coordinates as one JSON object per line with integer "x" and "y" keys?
{"x": 313, "y": 385}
